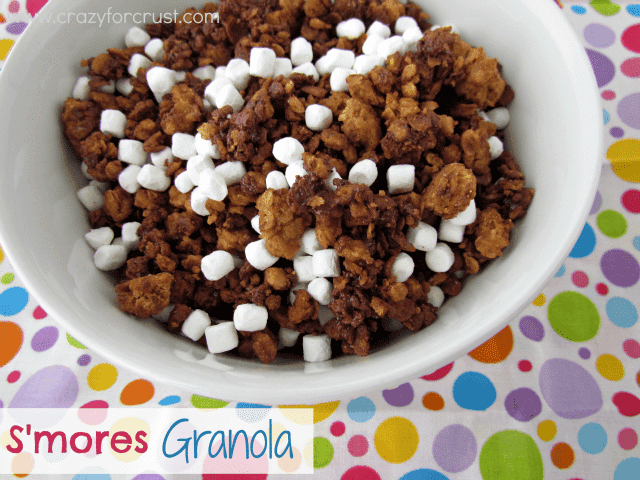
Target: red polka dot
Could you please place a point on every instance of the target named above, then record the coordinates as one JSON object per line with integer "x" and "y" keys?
{"x": 602, "y": 289}
{"x": 608, "y": 95}
{"x": 358, "y": 446}
{"x": 13, "y": 377}
{"x": 14, "y": 7}
{"x": 631, "y": 67}
{"x": 360, "y": 472}
{"x": 39, "y": 313}
{"x": 438, "y": 374}
{"x": 631, "y": 38}
{"x": 627, "y": 438}
{"x": 580, "y": 279}
{"x": 524, "y": 365}
{"x": 337, "y": 429}
{"x": 631, "y": 200}
{"x": 631, "y": 347}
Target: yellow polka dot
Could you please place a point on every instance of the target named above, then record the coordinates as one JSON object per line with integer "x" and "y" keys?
{"x": 6, "y": 439}
{"x": 547, "y": 430}
{"x": 132, "y": 426}
{"x": 5, "y": 45}
{"x": 624, "y": 156}
{"x": 610, "y": 367}
{"x": 1, "y": 255}
{"x": 102, "y": 376}
{"x": 539, "y": 301}
{"x": 321, "y": 411}
{"x": 396, "y": 440}
{"x": 290, "y": 465}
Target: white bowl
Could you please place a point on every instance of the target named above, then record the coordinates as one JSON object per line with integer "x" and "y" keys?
{"x": 555, "y": 133}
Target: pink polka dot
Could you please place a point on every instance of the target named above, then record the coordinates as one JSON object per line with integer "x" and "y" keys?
{"x": 630, "y": 38}
{"x": 13, "y": 377}
{"x": 631, "y": 67}
{"x": 524, "y": 365}
{"x": 627, "y": 438}
{"x": 337, "y": 429}
{"x": 632, "y": 348}
{"x": 608, "y": 95}
{"x": 580, "y": 279}
{"x": 602, "y": 289}
{"x": 631, "y": 200}
{"x": 358, "y": 446}
{"x": 39, "y": 313}
{"x": 360, "y": 472}
{"x": 14, "y": 7}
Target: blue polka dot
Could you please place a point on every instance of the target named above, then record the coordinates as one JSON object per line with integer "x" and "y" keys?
{"x": 170, "y": 400}
{"x": 361, "y": 409}
{"x": 585, "y": 244}
{"x": 474, "y": 391}
{"x": 592, "y": 438}
{"x": 13, "y": 300}
{"x": 560, "y": 272}
{"x": 627, "y": 469}
{"x": 424, "y": 474}
{"x": 605, "y": 116}
{"x": 634, "y": 10}
{"x": 250, "y": 405}
{"x": 622, "y": 312}
{"x": 92, "y": 476}
{"x": 636, "y": 243}
{"x": 578, "y": 9}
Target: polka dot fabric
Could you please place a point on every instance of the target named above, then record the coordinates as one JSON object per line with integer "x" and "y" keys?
{"x": 556, "y": 394}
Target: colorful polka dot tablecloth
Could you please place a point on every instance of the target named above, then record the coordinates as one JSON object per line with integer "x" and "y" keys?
{"x": 555, "y": 395}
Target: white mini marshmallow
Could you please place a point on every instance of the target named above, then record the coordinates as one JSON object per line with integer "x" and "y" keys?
{"x": 364, "y": 172}
{"x": 335, "y": 58}
{"x": 258, "y": 256}
{"x": 495, "y": 147}
{"x": 301, "y": 51}
{"x": 231, "y": 172}
{"x": 392, "y": 45}
{"x": 309, "y": 242}
{"x": 467, "y": 216}
{"x": 255, "y": 223}
{"x": 153, "y": 178}
{"x": 318, "y": 117}
{"x": 228, "y": 95}
{"x": 98, "y": 237}
{"x": 423, "y": 236}
{"x": 205, "y": 73}
{"x": 183, "y": 182}
{"x": 124, "y": 86}
{"x": 215, "y": 86}
{"x": 276, "y": 180}
{"x": 180, "y": 76}
{"x": 250, "y": 317}
{"x": 130, "y": 236}
{"x": 288, "y": 150}
{"x": 449, "y": 232}
{"x": 217, "y": 265}
{"x": 198, "y": 202}
{"x": 132, "y": 151}
{"x": 212, "y": 185}
{"x": 198, "y": 164}
{"x": 499, "y": 116}
{"x": 154, "y": 49}
{"x": 110, "y": 257}
{"x": 183, "y": 145}
{"x": 298, "y": 286}
{"x": 195, "y": 324}
{"x": 220, "y": 72}
{"x": 435, "y": 27}
{"x": 316, "y": 348}
{"x": 206, "y": 147}
{"x": 370, "y": 45}
{"x": 483, "y": 116}
{"x": 379, "y": 28}
{"x": 338, "y": 80}
{"x": 329, "y": 181}
{"x": 85, "y": 171}
{"x": 282, "y": 66}
{"x": 303, "y": 266}
{"x": 109, "y": 88}
{"x": 161, "y": 80}
{"x": 136, "y": 37}
{"x": 113, "y": 122}
{"x": 221, "y": 337}
{"x": 324, "y": 315}
{"x": 262, "y": 62}
{"x": 159, "y": 158}
{"x": 81, "y": 89}
{"x": 352, "y": 28}
{"x": 363, "y": 64}
{"x": 102, "y": 186}
{"x": 137, "y": 62}
{"x": 321, "y": 289}
{"x": 128, "y": 178}
{"x": 402, "y": 267}
{"x": 435, "y": 296}
{"x": 404, "y": 23}
{"x": 400, "y": 178}
{"x": 412, "y": 36}
{"x": 440, "y": 259}
{"x": 295, "y": 170}
{"x": 238, "y": 72}
{"x": 307, "y": 69}
{"x": 326, "y": 263}
{"x": 91, "y": 197}
{"x": 287, "y": 337}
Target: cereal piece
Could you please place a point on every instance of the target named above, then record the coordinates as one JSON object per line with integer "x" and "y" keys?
{"x": 411, "y": 37}
{"x": 81, "y": 89}
{"x": 338, "y": 80}
{"x": 435, "y": 296}
{"x": 163, "y": 316}
{"x": 440, "y": 259}
{"x": 467, "y": 216}
{"x": 352, "y": 28}
{"x": 261, "y": 62}
{"x": 317, "y": 117}
{"x": 132, "y": 151}
{"x": 288, "y": 150}
{"x": 379, "y": 28}
{"x": 145, "y": 296}
{"x": 128, "y": 178}
{"x": 110, "y": 257}
{"x": 198, "y": 201}
{"x": 154, "y": 49}
{"x": 287, "y": 337}
{"x": 91, "y": 197}
{"x": 392, "y": 45}
{"x": 320, "y": 289}
{"x": 401, "y": 178}
{"x": 162, "y": 158}
{"x": 449, "y": 232}
{"x": 228, "y": 95}
{"x": 183, "y": 145}
{"x": 499, "y": 116}
{"x": 277, "y": 278}
{"x": 196, "y": 165}
{"x": 221, "y": 337}
{"x": 402, "y": 267}
{"x": 255, "y": 223}
{"x": 364, "y": 172}
{"x": 301, "y": 51}
{"x": 278, "y": 224}
{"x": 250, "y": 317}
{"x": 161, "y": 80}
{"x": 183, "y": 182}
{"x": 492, "y": 233}
{"x": 196, "y": 324}
{"x": 124, "y": 86}
{"x": 316, "y": 348}
{"x": 212, "y": 185}
{"x": 258, "y": 256}
{"x": 423, "y": 237}
{"x": 130, "y": 236}
{"x": 113, "y": 122}
{"x": 295, "y": 288}
{"x": 303, "y": 266}
{"x": 207, "y": 72}
{"x": 217, "y": 265}
{"x": 138, "y": 62}
{"x": 450, "y": 191}
{"x": 326, "y": 263}
{"x": 295, "y": 170}
{"x": 276, "y": 180}
{"x": 238, "y": 72}
{"x": 307, "y": 69}
{"x": 495, "y": 147}
{"x": 153, "y": 178}
{"x": 335, "y": 58}
{"x": 136, "y": 37}
{"x": 282, "y": 66}
{"x": 370, "y": 45}
{"x": 216, "y": 86}
{"x": 206, "y": 147}
{"x": 309, "y": 242}
{"x": 97, "y": 237}
{"x": 404, "y": 23}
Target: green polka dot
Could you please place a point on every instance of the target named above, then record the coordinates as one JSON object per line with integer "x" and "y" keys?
{"x": 573, "y": 316}
{"x": 7, "y": 278}
{"x": 74, "y": 343}
{"x": 206, "y": 402}
{"x": 322, "y": 452}
{"x": 612, "y": 223}
{"x": 511, "y": 454}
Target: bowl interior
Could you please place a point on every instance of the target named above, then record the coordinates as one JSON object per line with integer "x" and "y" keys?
{"x": 555, "y": 134}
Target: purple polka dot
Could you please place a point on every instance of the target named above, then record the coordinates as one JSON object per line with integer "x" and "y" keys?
{"x": 620, "y": 268}
{"x": 597, "y": 203}
{"x": 603, "y": 68}
{"x": 523, "y": 404}
{"x": 599, "y": 36}
{"x": 16, "y": 28}
{"x": 148, "y": 476}
{"x": 400, "y": 396}
{"x": 44, "y": 339}
{"x": 531, "y": 328}
{"x": 616, "y": 132}
{"x": 84, "y": 360}
{"x": 584, "y": 353}
{"x": 454, "y": 448}
{"x": 629, "y": 110}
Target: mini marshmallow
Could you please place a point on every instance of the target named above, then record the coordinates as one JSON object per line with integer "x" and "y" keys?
{"x": 195, "y": 324}
{"x": 238, "y": 72}
{"x": 352, "y": 28}
{"x": 483, "y": 116}
{"x": 276, "y": 180}
{"x": 217, "y": 265}
{"x": 154, "y": 49}
{"x": 261, "y": 62}
{"x": 255, "y": 223}
{"x": 435, "y": 27}
{"x": 435, "y": 296}
{"x": 316, "y": 348}
{"x": 81, "y": 89}
{"x": 321, "y": 289}
{"x": 91, "y": 197}
{"x": 364, "y": 172}
{"x": 132, "y": 151}
{"x": 102, "y": 186}
{"x": 303, "y": 266}
{"x": 392, "y": 45}
{"x": 153, "y": 178}
{"x": 329, "y": 181}
{"x": 379, "y": 28}
{"x": 198, "y": 164}
{"x": 309, "y": 242}
{"x": 338, "y": 79}
{"x": 136, "y": 37}
{"x": 288, "y": 150}
{"x": 113, "y": 122}
{"x": 161, "y": 80}
{"x": 180, "y": 76}
{"x": 495, "y": 147}
{"x": 198, "y": 202}
{"x": 400, "y": 178}
{"x": 183, "y": 146}
{"x": 110, "y": 257}
{"x": 307, "y": 69}
{"x": 206, "y": 147}
{"x": 215, "y": 86}
{"x": 335, "y": 58}
{"x": 301, "y": 51}
{"x": 98, "y": 237}
{"x": 220, "y": 72}
{"x": 295, "y": 170}
{"x": 324, "y": 315}
{"x": 231, "y": 172}
{"x": 228, "y": 95}
{"x": 124, "y": 86}
{"x": 258, "y": 256}
{"x": 205, "y": 73}
{"x": 423, "y": 236}
{"x": 402, "y": 267}
{"x": 318, "y": 117}
{"x": 250, "y": 317}
{"x": 130, "y": 236}
{"x": 109, "y": 88}
{"x": 326, "y": 263}
{"x": 404, "y": 23}
{"x": 159, "y": 158}
{"x": 287, "y": 337}
{"x": 412, "y": 36}
{"x": 137, "y": 62}
{"x": 370, "y": 45}
{"x": 449, "y": 232}
{"x": 499, "y": 117}
{"x": 128, "y": 178}
{"x": 183, "y": 182}
{"x": 212, "y": 185}
{"x": 467, "y": 216}
{"x": 440, "y": 259}
{"x": 221, "y": 337}
{"x": 363, "y": 64}
{"x": 282, "y": 66}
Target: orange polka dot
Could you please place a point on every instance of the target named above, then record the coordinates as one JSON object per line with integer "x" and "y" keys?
{"x": 496, "y": 349}
{"x": 638, "y": 378}
{"x": 2, "y": 19}
{"x": 433, "y": 401}
{"x": 137, "y": 392}
{"x": 562, "y": 455}
{"x": 10, "y": 341}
